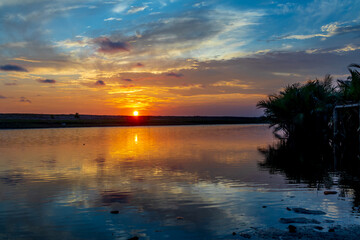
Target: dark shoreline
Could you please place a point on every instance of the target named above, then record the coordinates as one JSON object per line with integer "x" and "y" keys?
{"x": 23, "y": 121}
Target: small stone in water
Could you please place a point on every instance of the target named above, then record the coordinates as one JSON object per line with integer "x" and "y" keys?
{"x": 319, "y": 227}
{"x": 114, "y": 212}
{"x": 134, "y": 238}
{"x": 292, "y": 228}
{"x": 287, "y": 208}
{"x": 180, "y": 218}
{"x": 264, "y": 206}
{"x": 330, "y": 192}
{"x": 234, "y": 233}
{"x": 307, "y": 211}
{"x": 245, "y": 235}
{"x": 331, "y": 230}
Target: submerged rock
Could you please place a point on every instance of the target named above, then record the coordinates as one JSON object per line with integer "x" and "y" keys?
{"x": 292, "y": 228}
{"x": 234, "y": 233}
{"x": 245, "y": 235}
{"x": 307, "y": 211}
{"x": 330, "y": 192}
{"x": 287, "y": 208}
{"x": 134, "y": 238}
{"x": 298, "y": 220}
{"x": 114, "y": 212}
{"x": 319, "y": 227}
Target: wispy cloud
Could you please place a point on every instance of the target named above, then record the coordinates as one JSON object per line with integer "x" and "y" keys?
{"x": 347, "y": 48}
{"x": 52, "y": 81}
{"x": 176, "y": 75}
{"x": 136, "y": 9}
{"x": 121, "y": 7}
{"x": 24, "y": 100}
{"x": 328, "y": 30}
{"x": 112, "y": 19}
{"x": 2, "y": 97}
{"x": 10, "y": 84}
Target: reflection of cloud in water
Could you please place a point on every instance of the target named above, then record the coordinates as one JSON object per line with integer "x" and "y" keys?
{"x": 152, "y": 175}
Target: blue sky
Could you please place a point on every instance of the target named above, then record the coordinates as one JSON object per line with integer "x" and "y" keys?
{"x": 167, "y": 57}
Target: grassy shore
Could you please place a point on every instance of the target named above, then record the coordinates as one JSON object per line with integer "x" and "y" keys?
{"x": 16, "y": 121}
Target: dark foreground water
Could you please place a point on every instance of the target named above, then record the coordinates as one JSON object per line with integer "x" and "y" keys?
{"x": 199, "y": 182}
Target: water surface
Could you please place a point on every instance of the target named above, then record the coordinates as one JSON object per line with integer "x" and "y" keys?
{"x": 201, "y": 182}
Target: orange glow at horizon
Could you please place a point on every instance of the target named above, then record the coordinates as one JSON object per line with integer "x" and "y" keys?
{"x": 136, "y": 113}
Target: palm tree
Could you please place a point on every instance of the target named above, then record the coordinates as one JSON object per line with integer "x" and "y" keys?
{"x": 349, "y": 90}
{"x": 302, "y": 111}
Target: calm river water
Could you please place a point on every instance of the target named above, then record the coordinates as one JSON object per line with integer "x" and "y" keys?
{"x": 182, "y": 182}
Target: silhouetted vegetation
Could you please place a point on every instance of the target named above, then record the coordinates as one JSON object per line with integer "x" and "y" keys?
{"x": 303, "y": 113}
{"x": 349, "y": 89}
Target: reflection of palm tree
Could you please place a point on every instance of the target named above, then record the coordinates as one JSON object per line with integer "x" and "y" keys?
{"x": 313, "y": 167}
{"x": 348, "y": 118}
{"x": 302, "y": 111}
{"x": 299, "y": 164}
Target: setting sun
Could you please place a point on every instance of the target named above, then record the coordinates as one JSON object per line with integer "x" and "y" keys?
{"x": 136, "y": 113}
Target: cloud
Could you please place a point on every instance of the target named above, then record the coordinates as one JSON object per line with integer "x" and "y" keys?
{"x": 46, "y": 80}
{"x": 10, "y": 84}
{"x": 176, "y": 75}
{"x": 17, "y": 2}
{"x": 112, "y": 19}
{"x": 14, "y": 68}
{"x": 100, "y": 83}
{"x": 139, "y": 65}
{"x": 200, "y": 4}
{"x": 136, "y": 9}
{"x": 127, "y": 79}
{"x": 24, "y": 99}
{"x": 2, "y": 97}
{"x": 328, "y": 30}
{"x": 108, "y": 46}
{"x": 233, "y": 83}
{"x": 347, "y": 48}
{"x": 121, "y": 7}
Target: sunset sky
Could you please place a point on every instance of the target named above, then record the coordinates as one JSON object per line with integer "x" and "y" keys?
{"x": 168, "y": 57}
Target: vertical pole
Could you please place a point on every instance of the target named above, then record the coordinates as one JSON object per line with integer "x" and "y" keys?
{"x": 358, "y": 130}
{"x": 335, "y": 139}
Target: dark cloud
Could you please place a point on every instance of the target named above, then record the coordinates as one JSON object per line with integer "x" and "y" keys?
{"x": 100, "y": 83}
{"x": 2, "y": 97}
{"x": 46, "y": 80}
{"x": 177, "y": 75}
{"x": 24, "y": 99}
{"x": 10, "y": 84}
{"x": 347, "y": 29}
{"x": 139, "y": 65}
{"x": 12, "y": 68}
{"x": 128, "y": 79}
{"x": 108, "y": 46}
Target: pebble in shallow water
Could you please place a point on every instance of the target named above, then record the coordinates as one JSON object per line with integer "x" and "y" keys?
{"x": 307, "y": 211}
